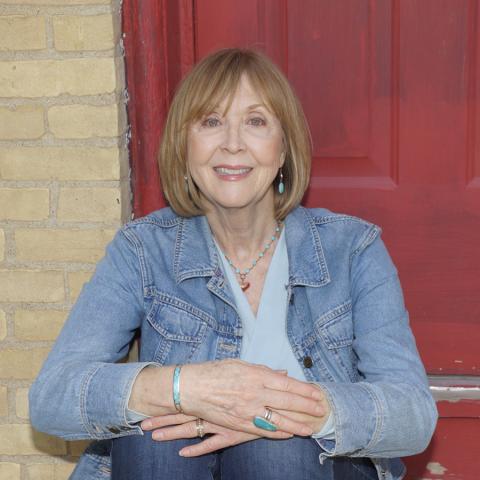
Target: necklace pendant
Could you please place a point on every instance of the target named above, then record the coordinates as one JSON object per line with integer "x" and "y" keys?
{"x": 244, "y": 286}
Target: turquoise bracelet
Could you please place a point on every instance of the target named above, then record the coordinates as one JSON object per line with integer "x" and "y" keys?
{"x": 176, "y": 388}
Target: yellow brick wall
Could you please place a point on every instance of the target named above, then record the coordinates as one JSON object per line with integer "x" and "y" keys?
{"x": 64, "y": 190}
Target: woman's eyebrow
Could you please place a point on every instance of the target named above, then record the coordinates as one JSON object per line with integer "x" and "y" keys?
{"x": 256, "y": 105}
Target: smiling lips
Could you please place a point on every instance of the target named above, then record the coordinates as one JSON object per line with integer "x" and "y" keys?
{"x": 232, "y": 173}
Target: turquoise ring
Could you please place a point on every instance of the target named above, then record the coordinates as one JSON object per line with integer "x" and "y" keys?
{"x": 264, "y": 422}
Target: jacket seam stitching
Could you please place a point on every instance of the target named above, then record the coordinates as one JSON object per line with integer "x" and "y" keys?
{"x": 378, "y": 417}
{"x": 135, "y": 242}
{"x": 371, "y": 234}
{"x": 151, "y": 220}
{"x": 83, "y": 399}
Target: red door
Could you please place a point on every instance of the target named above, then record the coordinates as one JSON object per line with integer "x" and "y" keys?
{"x": 390, "y": 91}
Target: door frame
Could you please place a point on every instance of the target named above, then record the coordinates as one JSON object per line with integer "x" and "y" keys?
{"x": 158, "y": 40}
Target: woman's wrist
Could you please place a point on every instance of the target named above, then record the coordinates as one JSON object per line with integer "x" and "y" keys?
{"x": 152, "y": 392}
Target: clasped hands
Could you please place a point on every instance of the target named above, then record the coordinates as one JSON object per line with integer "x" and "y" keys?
{"x": 227, "y": 395}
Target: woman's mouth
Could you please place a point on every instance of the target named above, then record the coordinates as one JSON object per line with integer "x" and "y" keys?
{"x": 232, "y": 173}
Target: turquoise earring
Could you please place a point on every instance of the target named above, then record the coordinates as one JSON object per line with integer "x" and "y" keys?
{"x": 281, "y": 185}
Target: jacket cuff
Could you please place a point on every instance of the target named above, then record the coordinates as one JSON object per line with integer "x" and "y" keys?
{"x": 356, "y": 417}
{"x": 105, "y": 396}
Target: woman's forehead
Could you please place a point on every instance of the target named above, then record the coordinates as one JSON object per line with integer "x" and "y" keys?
{"x": 244, "y": 92}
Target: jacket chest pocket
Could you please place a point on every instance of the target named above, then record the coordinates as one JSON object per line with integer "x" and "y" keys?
{"x": 334, "y": 329}
{"x": 173, "y": 334}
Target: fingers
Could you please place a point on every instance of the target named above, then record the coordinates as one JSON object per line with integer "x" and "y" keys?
{"x": 210, "y": 444}
{"x": 213, "y": 443}
{"x": 222, "y": 440}
{"x": 229, "y": 437}
{"x": 287, "y": 424}
{"x": 289, "y": 384}
{"x": 291, "y": 401}
{"x": 165, "y": 420}
{"x": 185, "y": 430}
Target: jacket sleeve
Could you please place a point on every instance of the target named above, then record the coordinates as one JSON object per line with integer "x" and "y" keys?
{"x": 390, "y": 412}
{"x": 80, "y": 391}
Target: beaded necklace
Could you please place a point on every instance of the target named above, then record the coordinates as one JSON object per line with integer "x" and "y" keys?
{"x": 243, "y": 274}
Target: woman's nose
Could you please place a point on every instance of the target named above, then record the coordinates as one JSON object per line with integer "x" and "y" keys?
{"x": 233, "y": 141}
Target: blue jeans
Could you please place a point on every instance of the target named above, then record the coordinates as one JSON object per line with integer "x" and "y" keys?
{"x": 139, "y": 457}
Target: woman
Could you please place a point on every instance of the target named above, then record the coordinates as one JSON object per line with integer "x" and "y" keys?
{"x": 277, "y": 330}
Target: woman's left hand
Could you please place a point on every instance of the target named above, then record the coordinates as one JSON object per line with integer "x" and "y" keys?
{"x": 178, "y": 426}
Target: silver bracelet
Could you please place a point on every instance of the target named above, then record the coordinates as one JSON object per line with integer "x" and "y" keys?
{"x": 176, "y": 388}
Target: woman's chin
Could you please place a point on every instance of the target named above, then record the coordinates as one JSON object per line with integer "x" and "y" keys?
{"x": 238, "y": 203}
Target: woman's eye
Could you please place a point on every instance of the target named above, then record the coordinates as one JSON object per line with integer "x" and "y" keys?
{"x": 257, "y": 121}
{"x": 210, "y": 122}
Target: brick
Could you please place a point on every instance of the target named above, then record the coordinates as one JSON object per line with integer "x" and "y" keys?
{"x": 20, "y": 32}
{"x": 49, "y": 471}
{"x": 56, "y": 2}
{"x": 21, "y": 403}
{"x": 89, "y": 204}
{"x": 3, "y": 325}
{"x": 2, "y": 244}
{"x": 50, "y": 78}
{"x": 24, "y": 203}
{"x": 3, "y": 403}
{"x": 76, "y": 280}
{"x": 87, "y": 246}
{"x": 39, "y": 325}
{"x": 9, "y": 471}
{"x": 63, "y": 470}
{"x": 41, "y": 471}
{"x": 31, "y": 286}
{"x": 88, "y": 32}
{"x": 21, "y": 122}
{"x": 84, "y": 121}
{"x": 21, "y": 364}
{"x": 59, "y": 163}
{"x": 23, "y": 440}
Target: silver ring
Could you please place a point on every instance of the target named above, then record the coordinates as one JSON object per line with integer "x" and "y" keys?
{"x": 200, "y": 427}
{"x": 268, "y": 414}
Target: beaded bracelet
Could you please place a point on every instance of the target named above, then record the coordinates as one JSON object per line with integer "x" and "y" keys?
{"x": 176, "y": 388}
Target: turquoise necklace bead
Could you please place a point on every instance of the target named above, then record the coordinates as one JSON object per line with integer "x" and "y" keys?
{"x": 243, "y": 275}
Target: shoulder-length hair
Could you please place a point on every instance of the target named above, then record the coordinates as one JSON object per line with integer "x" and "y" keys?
{"x": 213, "y": 79}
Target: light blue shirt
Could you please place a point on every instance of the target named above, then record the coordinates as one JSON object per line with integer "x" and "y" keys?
{"x": 264, "y": 339}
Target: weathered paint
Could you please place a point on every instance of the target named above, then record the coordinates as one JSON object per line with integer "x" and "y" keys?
{"x": 436, "y": 468}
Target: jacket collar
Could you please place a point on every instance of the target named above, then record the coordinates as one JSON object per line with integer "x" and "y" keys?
{"x": 307, "y": 263}
{"x": 196, "y": 255}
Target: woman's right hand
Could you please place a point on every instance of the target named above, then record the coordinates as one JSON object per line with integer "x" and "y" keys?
{"x": 230, "y": 393}
{"x": 179, "y": 426}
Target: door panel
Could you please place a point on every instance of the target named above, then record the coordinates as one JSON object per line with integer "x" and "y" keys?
{"x": 390, "y": 93}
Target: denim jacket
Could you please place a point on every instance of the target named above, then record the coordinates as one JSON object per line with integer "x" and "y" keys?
{"x": 347, "y": 325}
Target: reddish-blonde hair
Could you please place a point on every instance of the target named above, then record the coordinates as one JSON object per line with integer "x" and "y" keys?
{"x": 213, "y": 79}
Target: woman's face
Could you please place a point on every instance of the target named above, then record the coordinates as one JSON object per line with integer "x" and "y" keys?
{"x": 234, "y": 158}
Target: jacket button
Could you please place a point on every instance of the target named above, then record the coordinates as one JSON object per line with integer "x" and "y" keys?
{"x": 308, "y": 362}
{"x": 114, "y": 430}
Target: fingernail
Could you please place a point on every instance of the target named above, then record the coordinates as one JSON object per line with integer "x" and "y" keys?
{"x": 157, "y": 435}
{"x": 146, "y": 424}
{"x": 181, "y": 453}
